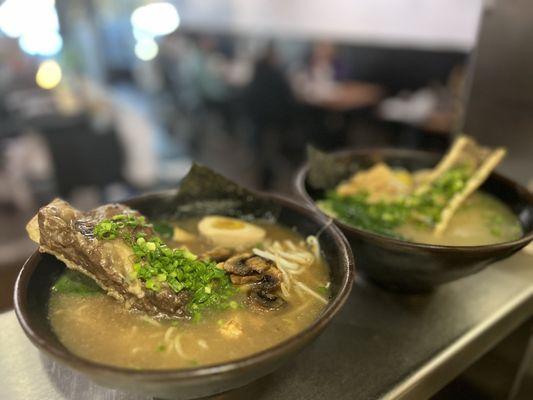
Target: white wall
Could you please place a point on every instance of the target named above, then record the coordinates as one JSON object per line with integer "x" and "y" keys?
{"x": 448, "y": 24}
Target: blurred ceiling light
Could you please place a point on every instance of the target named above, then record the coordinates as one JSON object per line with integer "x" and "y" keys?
{"x": 10, "y": 17}
{"x": 35, "y": 23}
{"x": 146, "y": 49}
{"x": 155, "y": 19}
{"x": 46, "y": 43}
{"x": 48, "y": 74}
{"x": 20, "y": 16}
{"x": 141, "y": 35}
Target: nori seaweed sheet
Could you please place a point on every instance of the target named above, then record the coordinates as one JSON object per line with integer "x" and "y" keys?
{"x": 327, "y": 170}
{"x": 203, "y": 191}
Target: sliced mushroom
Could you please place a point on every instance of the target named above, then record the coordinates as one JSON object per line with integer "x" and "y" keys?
{"x": 269, "y": 282}
{"x": 237, "y": 265}
{"x": 244, "y": 280}
{"x": 259, "y": 264}
{"x": 265, "y": 300}
{"x": 262, "y": 274}
{"x": 262, "y": 294}
{"x": 218, "y": 254}
{"x": 247, "y": 264}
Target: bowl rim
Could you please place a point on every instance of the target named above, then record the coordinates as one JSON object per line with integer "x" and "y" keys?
{"x": 300, "y": 181}
{"x": 271, "y": 353}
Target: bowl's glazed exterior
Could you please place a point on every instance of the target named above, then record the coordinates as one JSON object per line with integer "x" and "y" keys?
{"x": 415, "y": 267}
{"x": 32, "y": 291}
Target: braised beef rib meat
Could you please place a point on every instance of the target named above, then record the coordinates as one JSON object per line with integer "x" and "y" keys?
{"x": 67, "y": 233}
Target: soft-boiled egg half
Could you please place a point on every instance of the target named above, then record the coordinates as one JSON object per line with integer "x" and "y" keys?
{"x": 230, "y": 232}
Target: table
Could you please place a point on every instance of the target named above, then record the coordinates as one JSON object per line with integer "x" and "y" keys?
{"x": 382, "y": 345}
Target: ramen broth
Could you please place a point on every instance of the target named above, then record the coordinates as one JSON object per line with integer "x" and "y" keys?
{"x": 100, "y": 329}
{"x": 481, "y": 220}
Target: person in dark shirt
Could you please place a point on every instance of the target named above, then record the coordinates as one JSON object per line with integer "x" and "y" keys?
{"x": 269, "y": 102}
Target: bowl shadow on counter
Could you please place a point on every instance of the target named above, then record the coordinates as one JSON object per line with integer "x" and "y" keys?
{"x": 414, "y": 267}
{"x": 40, "y": 272}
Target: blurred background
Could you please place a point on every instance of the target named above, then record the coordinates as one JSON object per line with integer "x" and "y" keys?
{"x": 104, "y": 99}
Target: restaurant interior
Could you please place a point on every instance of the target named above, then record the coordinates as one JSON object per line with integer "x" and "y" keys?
{"x": 104, "y": 100}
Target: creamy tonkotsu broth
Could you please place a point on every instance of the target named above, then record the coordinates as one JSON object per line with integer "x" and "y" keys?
{"x": 98, "y": 328}
{"x": 481, "y": 220}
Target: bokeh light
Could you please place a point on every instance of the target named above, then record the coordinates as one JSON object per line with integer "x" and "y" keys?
{"x": 35, "y": 23}
{"x": 146, "y": 49}
{"x": 150, "y": 21}
{"x": 46, "y": 43}
{"x": 156, "y": 19}
{"x": 48, "y": 74}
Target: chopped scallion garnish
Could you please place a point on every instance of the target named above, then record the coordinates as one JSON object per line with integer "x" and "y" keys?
{"x": 159, "y": 266}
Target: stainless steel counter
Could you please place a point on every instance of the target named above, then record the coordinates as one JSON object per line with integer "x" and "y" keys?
{"x": 382, "y": 345}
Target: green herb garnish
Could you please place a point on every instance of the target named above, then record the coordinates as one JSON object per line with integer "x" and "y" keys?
{"x": 120, "y": 225}
{"x": 383, "y": 217}
{"x": 323, "y": 290}
{"x": 73, "y": 282}
{"x": 159, "y": 266}
{"x": 164, "y": 229}
{"x": 495, "y": 224}
{"x": 379, "y": 217}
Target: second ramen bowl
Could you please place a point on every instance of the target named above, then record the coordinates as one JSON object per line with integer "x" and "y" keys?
{"x": 415, "y": 267}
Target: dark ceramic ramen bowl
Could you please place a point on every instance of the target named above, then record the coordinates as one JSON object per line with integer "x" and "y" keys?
{"x": 414, "y": 267}
{"x": 39, "y": 273}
